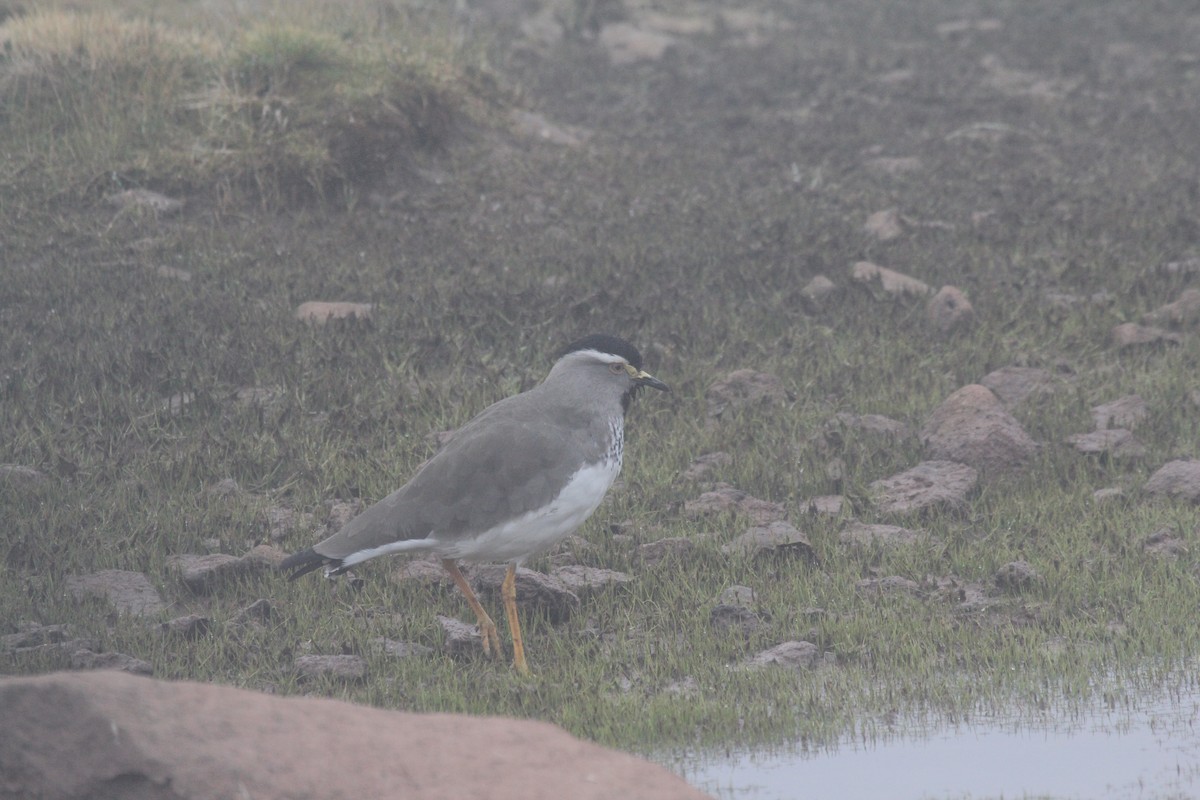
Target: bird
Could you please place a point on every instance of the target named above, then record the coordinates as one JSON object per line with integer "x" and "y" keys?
{"x": 523, "y": 474}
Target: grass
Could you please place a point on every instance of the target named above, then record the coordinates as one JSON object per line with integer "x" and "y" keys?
{"x": 697, "y": 251}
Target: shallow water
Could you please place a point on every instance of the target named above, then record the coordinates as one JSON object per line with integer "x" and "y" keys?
{"x": 1149, "y": 749}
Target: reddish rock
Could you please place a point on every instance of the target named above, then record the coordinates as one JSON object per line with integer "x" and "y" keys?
{"x": 1130, "y": 334}
{"x": 69, "y": 736}
{"x": 725, "y": 498}
{"x": 892, "y": 282}
{"x": 128, "y": 592}
{"x": 797, "y": 655}
{"x": 704, "y": 465}
{"x": 1124, "y": 412}
{"x": 1013, "y": 385}
{"x": 1177, "y": 479}
{"x": 534, "y": 589}
{"x": 972, "y": 427}
{"x": 929, "y": 484}
{"x": 1113, "y": 442}
{"x": 743, "y": 387}
{"x": 775, "y": 538}
{"x": 949, "y": 310}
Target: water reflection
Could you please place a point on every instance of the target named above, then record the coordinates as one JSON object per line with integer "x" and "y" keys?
{"x": 1150, "y": 750}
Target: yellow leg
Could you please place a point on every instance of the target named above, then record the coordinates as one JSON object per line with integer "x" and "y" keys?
{"x": 487, "y": 628}
{"x": 508, "y": 593}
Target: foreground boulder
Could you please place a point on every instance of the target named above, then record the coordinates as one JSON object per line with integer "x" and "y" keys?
{"x": 109, "y": 734}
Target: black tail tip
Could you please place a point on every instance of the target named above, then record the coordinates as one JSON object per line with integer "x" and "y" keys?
{"x": 303, "y": 563}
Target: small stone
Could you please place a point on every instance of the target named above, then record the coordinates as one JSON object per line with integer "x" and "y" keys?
{"x": 319, "y": 312}
{"x": 737, "y": 595}
{"x": 775, "y": 538}
{"x": 20, "y": 476}
{"x": 884, "y": 225}
{"x": 202, "y": 574}
{"x": 1017, "y": 576}
{"x": 1176, "y": 479}
{"x": 586, "y": 581}
{"x": 1183, "y": 311}
{"x": 727, "y": 619}
{"x": 818, "y": 292}
{"x": 862, "y": 535}
{"x": 892, "y": 282}
{"x": 949, "y": 310}
{"x": 340, "y": 514}
{"x": 86, "y": 659}
{"x": 972, "y": 427}
{"x": 129, "y": 592}
{"x": 401, "y": 649}
{"x": 534, "y": 590}
{"x": 34, "y": 635}
{"x": 1125, "y": 412}
{"x": 741, "y": 388}
{"x": 190, "y": 626}
{"x": 670, "y": 549}
{"x": 628, "y": 44}
{"x": 1164, "y": 542}
{"x": 1116, "y": 442}
{"x": 703, "y": 465}
{"x": 1013, "y": 385}
{"x": 797, "y": 655}
{"x": 155, "y": 202}
{"x": 261, "y": 610}
{"x": 1108, "y": 494}
{"x": 1130, "y": 334}
{"x": 726, "y": 499}
{"x": 460, "y": 638}
{"x": 350, "y": 668}
{"x": 829, "y": 504}
{"x": 422, "y": 571}
{"x": 928, "y": 485}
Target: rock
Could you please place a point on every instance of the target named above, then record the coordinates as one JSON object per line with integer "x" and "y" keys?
{"x": 401, "y": 649}
{"x": 894, "y": 283}
{"x": 341, "y": 512}
{"x": 730, "y": 619}
{"x": 319, "y": 312}
{"x": 870, "y": 424}
{"x": 1108, "y": 494}
{"x": 534, "y": 590}
{"x": 830, "y": 504}
{"x": 460, "y": 638}
{"x": 191, "y": 740}
{"x": 775, "y": 538}
{"x": 1017, "y": 576}
{"x": 884, "y": 225}
{"x": 145, "y": 199}
{"x": 1125, "y": 412}
{"x": 535, "y": 126}
{"x": 1177, "y": 479}
{"x": 972, "y": 427}
{"x": 892, "y": 584}
{"x": 818, "y": 292}
{"x": 1116, "y": 442}
{"x": 737, "y": 595}
{"x": 1164, "y": 542}
{"x": 283, "y": 522}
{"x": 261, "y": 610}
{"x": 263, "y": 557}
{"x": 202, "y": 574}
{"x": 226, "y": 487}
{"x": 797, "y": 655}
{"x": 725, "y": 499}
{"x": 949, "y": 310}
{"x": 628, "y": 44}
{"x": 586, "y": 581}
{"x": 928, "y": 485}
{"x": 86, "y": 659}
{"x": 670, "y": 549}
{"x": 968, "y": 596}
{"x": 1130, "y": 334}
{"x": 18, "y": 475}
{"x": 423, "y": 571}
{"x": 741, "y": 388}
{"x": 31, "y": 634}
{"x": 1184, "y": 311}
{"x": 350, "y": 668}
{"x": 705, "y": 464}
{"x": 861, "y": 535}
{"x": 1013, "y": 385}
{"x": 128, "y": 592}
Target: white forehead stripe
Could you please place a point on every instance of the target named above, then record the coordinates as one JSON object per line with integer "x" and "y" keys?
{"x": 607, "y": 358}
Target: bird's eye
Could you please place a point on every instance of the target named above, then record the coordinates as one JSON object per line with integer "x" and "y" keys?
{"x": 616, "y": 369}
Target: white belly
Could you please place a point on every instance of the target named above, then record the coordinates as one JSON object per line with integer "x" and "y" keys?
{"x": 532, "y": 532}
